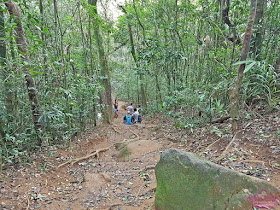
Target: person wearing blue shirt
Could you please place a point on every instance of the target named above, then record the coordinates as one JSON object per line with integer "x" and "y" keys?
{"x": 128, "y": 119}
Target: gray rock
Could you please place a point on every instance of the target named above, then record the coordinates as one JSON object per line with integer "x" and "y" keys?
{"x": 185, "y": 181}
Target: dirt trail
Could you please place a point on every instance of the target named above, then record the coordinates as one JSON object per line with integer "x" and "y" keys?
{"x": 122, "y": 177}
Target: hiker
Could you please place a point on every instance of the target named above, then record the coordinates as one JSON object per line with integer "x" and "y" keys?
{"x": 116, "y": 111}
{"x": 130, "y": 108}
{"x": 139, "y": 109}
{"x": 128, "y": 119}
{"x": 135, "y": 115}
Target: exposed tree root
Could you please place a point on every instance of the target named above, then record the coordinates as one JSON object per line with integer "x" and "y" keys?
{"x": 114, "y": 205}
{"x": 28, "y": 203}
{"x": 135, "y": 134}
{"x": 116, "y": 130}
{"x": 96, "y": 153}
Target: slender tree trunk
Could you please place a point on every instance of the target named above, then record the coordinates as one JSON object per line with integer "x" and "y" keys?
{"x": 158, "y": 88}
{"x": 277, "y": 63}
{"x": 11, "y": 99}
{"x": 138, "y": 19}
{"x": 2, "y": 65}
{"x": 257, "y": 46}
{"x": 108, "y": 112}
{"x": 30, "y": 83}
{"x": 235, "y": 91}
{"x": 142, "y": 91}
{"x": 155, "y": 67}
{"x": 138, "y": 94}
{"x": 91, "y": 70}
{"x": 59, "y": 51}
{"x": 44, "y": 42}
{"x": 83, "y": 40}
{"x": 2, "y": 40}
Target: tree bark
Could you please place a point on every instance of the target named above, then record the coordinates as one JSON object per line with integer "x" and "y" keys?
{"x": 83, "y": 41}
{"x": 225, "y": 17}
{"x": 2, "y": 42}
{"x": 257, "y": 45}
{"x": 91, "y": 70}
{"x": 30, "y": 83}
{"x": 105, "y": 73}
{"x": 235, "y": 91}
{"x": 43, "y": 37}
{"x": 2, "y": 64}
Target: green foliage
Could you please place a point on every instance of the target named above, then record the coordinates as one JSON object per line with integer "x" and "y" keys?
{"x": 261, "y": 85}
{"x": 44, "y": 167}
{"x": 182, "y": 75}
{"x": 67, "y": 81}
{"x": 217, "y": 131}
{"x": 278, "y": 134}
{"x": 124, "y": 153}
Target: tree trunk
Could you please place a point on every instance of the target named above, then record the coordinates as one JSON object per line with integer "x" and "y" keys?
{"x": 30, "y": 83}
{"x": 158, "y": 88}
{"x": 107, "y": 98}
{"x": 142, "y": 91}
{"x": 2, "y": 64}
{"x": 2, "y": 41}
{"x": 59, "y": 51}
{"x": 43, "y": 37}
{"x": 256, "y": 49}
{"x": 91, "y": 70}
{"x": 138, "y": 19}
{"x": 83, "y": 40}
{"x": 235, "y": 91}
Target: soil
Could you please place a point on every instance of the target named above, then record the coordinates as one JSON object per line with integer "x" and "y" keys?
{"x": 122, "y": 176}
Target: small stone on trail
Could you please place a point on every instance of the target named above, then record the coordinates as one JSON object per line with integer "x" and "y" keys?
{"x": 239, "y": 165}
{"x": 82, "y": 164}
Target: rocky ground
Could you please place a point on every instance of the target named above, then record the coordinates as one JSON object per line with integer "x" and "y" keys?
{"x": 112, "y": 167}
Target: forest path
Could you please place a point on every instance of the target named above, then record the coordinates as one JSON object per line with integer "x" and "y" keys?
{"x": 122, "y": 176}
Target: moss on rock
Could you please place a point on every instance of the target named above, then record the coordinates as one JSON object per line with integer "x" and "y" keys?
{"x": 185, "y": 181}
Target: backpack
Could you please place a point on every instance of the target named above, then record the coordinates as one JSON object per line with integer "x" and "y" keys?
{"x": 139, "y": 118}
{"x": 129, "y": 120}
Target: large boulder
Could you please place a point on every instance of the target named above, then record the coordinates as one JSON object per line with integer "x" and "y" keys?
{"x": 185, "y": 181}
